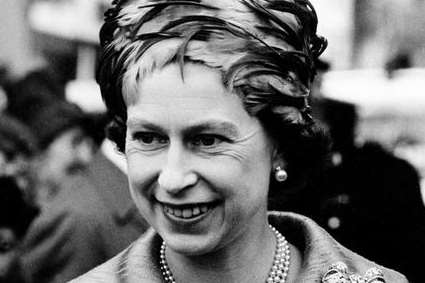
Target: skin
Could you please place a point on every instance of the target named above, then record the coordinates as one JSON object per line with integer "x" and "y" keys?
{"x": 68, "y": 153}
{"x": 191, "y": 142}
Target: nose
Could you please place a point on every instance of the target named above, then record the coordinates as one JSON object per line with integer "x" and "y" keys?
{"x": 176, "y": 175}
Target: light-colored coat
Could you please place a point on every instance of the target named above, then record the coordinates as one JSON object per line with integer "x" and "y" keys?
{"x": 140, "y": 263}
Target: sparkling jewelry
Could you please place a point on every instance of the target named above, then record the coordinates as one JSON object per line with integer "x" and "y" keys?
{"x": 280, "y": 174}
{"x": 277, "y": 274}
{"x": 338, "y": 273}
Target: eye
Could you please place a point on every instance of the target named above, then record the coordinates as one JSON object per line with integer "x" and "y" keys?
{"x": 206, "y": 140}
{"x": 149, "y": 138}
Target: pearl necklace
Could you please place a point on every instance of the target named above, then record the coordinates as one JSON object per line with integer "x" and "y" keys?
{"x": 277, "y": 273}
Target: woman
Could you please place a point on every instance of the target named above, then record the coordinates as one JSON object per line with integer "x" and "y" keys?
{"x": 209, "y": 100}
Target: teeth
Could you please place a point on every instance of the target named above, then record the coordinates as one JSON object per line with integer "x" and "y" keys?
{"x": 196, "y": 211}
{"x": 186, "y": 212}
{"x": 176, "y": 212}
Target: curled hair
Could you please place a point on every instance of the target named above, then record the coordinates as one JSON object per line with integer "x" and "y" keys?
{"x": 264, "y": 49}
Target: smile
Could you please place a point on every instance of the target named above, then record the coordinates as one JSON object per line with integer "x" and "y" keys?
{"x": 187, "y": 211}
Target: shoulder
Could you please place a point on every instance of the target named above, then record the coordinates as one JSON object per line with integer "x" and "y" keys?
{"x": 138, "y": 263}
{"x": 382, "y": 163}
{"x": 106, "y": 272}
{"x": 320, "y": 251}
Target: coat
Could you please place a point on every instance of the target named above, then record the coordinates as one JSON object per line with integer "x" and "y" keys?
{"x": 90, "y": 220}
{"x": 372, "y": 201}
{"x": 140, "y": 262}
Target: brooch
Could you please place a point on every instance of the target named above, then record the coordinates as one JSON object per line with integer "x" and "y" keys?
{"x": 338, "y": 273}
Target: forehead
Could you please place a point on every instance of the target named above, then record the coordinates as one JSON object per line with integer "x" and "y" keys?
{"x": 195, "y": 93}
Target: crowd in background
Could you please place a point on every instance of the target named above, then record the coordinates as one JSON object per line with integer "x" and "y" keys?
{"x": 55, "y": 166}
{"x": 57, "y": 171}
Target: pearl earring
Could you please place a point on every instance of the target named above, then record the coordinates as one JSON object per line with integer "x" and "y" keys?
{"x": 280, "y": 174}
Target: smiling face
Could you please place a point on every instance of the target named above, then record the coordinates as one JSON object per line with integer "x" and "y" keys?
{"x": 198, "y": 164}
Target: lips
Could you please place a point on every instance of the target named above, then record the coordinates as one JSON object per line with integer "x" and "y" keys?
{"x": 187, "y": 211}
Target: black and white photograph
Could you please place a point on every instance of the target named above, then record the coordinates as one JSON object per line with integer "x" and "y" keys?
{"x": 212, "y": 141}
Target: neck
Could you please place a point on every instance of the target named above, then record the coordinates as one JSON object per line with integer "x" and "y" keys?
{"x": 247, "y": 258}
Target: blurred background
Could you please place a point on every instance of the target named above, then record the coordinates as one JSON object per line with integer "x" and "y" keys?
{"x": 376, "y": 51}
{"x": 370, "y": 96}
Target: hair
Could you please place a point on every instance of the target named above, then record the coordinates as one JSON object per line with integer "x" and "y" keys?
{"x": 15, "y": 138}
{"x": 49, "y": 119}
{"x": 264, "y": 49}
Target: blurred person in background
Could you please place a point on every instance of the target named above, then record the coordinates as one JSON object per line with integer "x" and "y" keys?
{"x": 61, "y": 129}
{"x": 369, "y": 199}
{"x": 65, "y": 147}
{"x": 75, "y": 181}
{"x": 90, "y": 218}
{"x": 337, "y": 117}
{"x": 17, "y": 148}
{"x": 16, "y": 214}
{"x": 26, "y": 94}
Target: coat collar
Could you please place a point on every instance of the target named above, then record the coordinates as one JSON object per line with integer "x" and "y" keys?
{"x": 140, "y": 262}
{"x": 318, "y": 248}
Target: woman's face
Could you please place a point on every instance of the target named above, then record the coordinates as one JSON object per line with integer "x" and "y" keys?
{"x": 198, "y": 164}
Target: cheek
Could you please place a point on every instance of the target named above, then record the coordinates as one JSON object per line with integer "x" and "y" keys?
{"x": 246, "y": 178}
{"x": 140, "y": 184}
{"x": 139, "y": 172}
{"x": 142, "y": 175}
{"x": 253, "y": 169}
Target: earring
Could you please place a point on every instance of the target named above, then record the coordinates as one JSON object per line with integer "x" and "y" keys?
{"x": 280, "y": 174}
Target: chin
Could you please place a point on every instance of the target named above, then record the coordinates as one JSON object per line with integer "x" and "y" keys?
{"x": 192, "y": 236}
{"x": 191, "y": 245}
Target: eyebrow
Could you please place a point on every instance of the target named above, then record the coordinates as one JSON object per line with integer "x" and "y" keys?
{"x": 225, "y": 127}
{"x": 221, "y": 126}
{"x": 140, "y": 122}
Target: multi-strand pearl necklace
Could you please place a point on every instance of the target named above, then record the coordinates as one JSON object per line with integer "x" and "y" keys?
{"x": 277, "y": 273}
